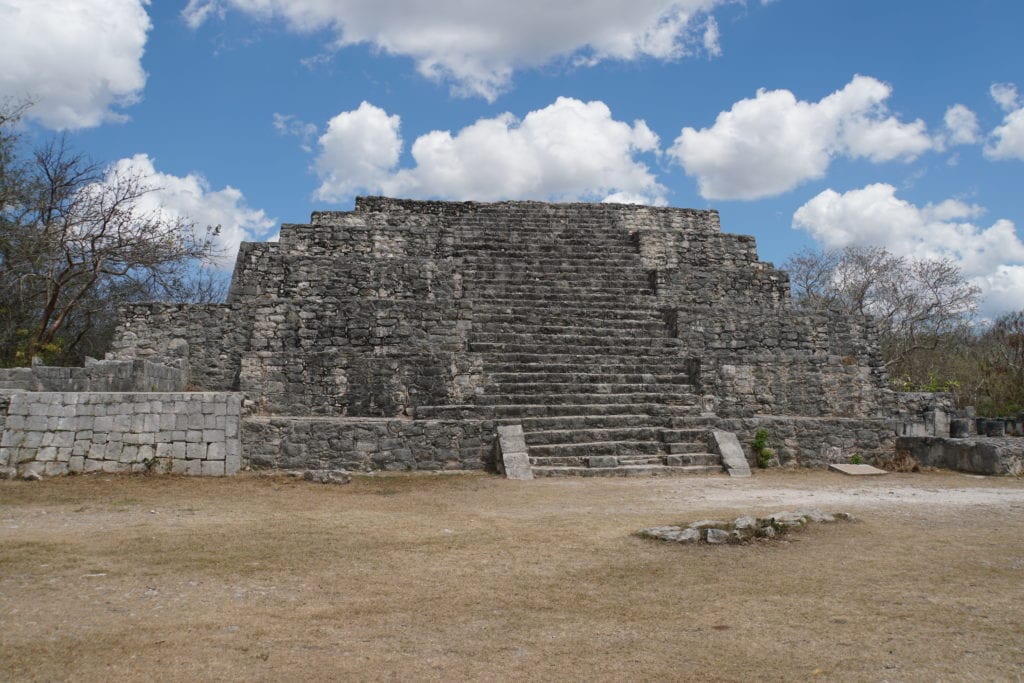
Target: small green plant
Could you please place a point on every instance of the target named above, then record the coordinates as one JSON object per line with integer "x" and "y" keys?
{"x": 760, "y": 447}
{"x": 150, "y": 463}
{"x": 855, "y": 459}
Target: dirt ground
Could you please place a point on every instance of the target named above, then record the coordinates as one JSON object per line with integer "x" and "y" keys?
{"x": 474, "y": 577}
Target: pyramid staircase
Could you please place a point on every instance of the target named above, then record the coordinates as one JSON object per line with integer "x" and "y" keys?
{"x": 576, "y": 350}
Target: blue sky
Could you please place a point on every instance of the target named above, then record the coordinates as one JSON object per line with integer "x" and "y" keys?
{"x": 805, "y": 122}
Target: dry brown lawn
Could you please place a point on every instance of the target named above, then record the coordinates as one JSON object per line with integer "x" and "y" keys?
{"x": 477, "y": 578}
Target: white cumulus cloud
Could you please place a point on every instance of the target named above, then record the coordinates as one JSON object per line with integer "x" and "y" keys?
{"x": 569, "y": 150}
{"x": 191, "y": 198}
{"x": 992, "y": 257}
{"x": 478, "y": 45}
{"x": 76, "y": 61}
{"x": 772, "y": 143}
{"x": 1007, "y": 140}
{"x": 1005, "y": 95}
{"x": 961, "y": 126}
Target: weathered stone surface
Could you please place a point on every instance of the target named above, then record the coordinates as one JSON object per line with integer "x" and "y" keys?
{"x": 709, "y": 524}
{"x": 717, "y": 536}
{"x": 732, "y": 453}
{"x": 855, "y": 470}
{"x": 400, "y": 335}
{"x": 745, "y": 522}
{"x": 327, "y": 476}
{"x": 115, "y": 432}
{"x": 978, "y": 455}
{"x": 744, "y": 529}
{"x": 513, "y": 457}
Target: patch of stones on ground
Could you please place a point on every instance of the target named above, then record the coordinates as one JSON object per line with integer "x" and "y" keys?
{"x": 744, "y": 529}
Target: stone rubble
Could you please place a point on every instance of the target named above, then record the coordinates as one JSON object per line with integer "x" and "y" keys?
{"x": 743, "y": 529}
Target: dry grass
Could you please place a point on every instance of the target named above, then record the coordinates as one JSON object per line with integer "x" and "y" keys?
{"x": 474, "y": 577}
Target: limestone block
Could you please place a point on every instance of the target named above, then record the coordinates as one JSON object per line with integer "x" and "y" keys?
{"x": 54, "y": 469}
{"x": 212, "y": 468}
{"x": 728, "y": 446}
{"x": 717, "y": 536}
{"x": 215, "y": 451}
{"x": 513, "y": 458}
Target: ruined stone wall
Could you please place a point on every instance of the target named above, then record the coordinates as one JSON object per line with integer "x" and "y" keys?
{"x": 366, "y": 445}
{"x": 340, "y": 255}
{"x": 815, "y": 442}
{"x": 357, "y": 357}
{"x": 691, "y": 262}
{"x": 129, "y": 375}
{"x": 778, "y": 361}
{"x": 206, "y": 339}
{"x": 50, "y": 433}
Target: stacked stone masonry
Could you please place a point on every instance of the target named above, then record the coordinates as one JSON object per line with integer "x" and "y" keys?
{"x": 400, "y": 335}
{"x": 49, "y": 433}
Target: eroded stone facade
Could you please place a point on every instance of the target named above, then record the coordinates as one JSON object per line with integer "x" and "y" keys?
{"x": 398, "y": 335}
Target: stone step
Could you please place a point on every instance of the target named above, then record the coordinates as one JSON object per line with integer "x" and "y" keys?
{"x": 547, "y": 437}
{"x": 584, "y": 461}
{"x": 683, "y": 435}
{"x": 586, "y": 378}
{"x": 482, "y": 262}
{"x": 633, "y": 307}
{"x": 630, "y": 471}
{"x": 585, "y": 389}
{"x": 547, "y": 324}
{"x": 519, "y": 272}
{"x": 579, "y": 338}
{"x": 541, "y": 299}
{"x": 519, "y": 330}
{"x": 556, "y": 290}
{"x": 677, "y": 448}
{"x": 552, "y": 399}
{"x": 651, "y": 346}
{"x": 582, "y": 423}
{"x": 517, "y": 412}
{"x": 488, "y": 313}
{"x": 545, "y": 233}
{"x": 580, "y": 363}
{"x": 616, "y": 448}
{"x": 566, "y": 249}
{"x": 606, "y": 461}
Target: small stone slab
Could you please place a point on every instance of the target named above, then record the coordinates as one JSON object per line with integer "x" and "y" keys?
{"x": 856, "y": 470}
{"x": 513, "y": 456}
{"x": 733, "y": 460}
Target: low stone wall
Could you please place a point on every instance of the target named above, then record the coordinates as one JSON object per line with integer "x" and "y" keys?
{"x": 978, "y": 455}
{"x": 815, "y": 442}
{"x": 51, "y": 433}
{"x": 97, "y": 375}
{"x": 365, "y": 445}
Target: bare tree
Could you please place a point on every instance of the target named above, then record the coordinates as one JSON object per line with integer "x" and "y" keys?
{"x": 916, "y": 302}
{"x": 75, "y": 241}
{"x": 1000, "y": 365}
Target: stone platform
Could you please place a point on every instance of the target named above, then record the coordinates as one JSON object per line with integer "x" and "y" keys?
{"x": 618, "y": 337}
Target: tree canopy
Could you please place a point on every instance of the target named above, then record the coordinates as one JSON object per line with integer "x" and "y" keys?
{"x": 76, "y": 242}
{"x": 926, "y": 313}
